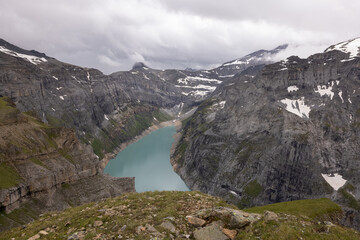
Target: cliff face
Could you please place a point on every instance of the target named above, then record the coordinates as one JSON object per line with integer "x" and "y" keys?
{"x": 102, "y": 108}
{"x": 289, "y": 132}
{"x": 44, "y": 163}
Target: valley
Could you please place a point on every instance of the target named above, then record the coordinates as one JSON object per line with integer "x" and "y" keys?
{"x": 253, "y": 132}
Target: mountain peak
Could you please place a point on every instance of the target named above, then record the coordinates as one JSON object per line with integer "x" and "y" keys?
{"x": 138, "y": 65}
{"x": 258, "y": 57}
{"x": 351, "y": 46}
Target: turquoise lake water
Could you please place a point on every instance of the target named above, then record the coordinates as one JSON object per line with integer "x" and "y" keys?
{"x": 148, "y": 160}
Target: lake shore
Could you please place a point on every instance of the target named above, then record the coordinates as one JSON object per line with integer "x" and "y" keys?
{"x": 152, "y": 128}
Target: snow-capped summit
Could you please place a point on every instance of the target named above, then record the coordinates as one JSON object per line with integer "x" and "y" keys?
{"x": 258, "y": 56}
{"x": 32, "y": 56}
{"x": 351, "y": 46}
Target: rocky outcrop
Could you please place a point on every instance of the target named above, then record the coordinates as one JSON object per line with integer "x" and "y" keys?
{"x": 162, "y": 215}
{"x": 48, "y": 164}
{"x": 290, "y": 132}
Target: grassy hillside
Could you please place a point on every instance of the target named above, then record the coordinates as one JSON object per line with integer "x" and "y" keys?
{"x": 163, "y": 215}
{"x": 312, "y": 209}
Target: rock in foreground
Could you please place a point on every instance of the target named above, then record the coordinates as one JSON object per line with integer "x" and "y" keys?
{"x": 165, "y": 215}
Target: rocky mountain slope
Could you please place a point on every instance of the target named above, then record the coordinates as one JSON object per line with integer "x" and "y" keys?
{"x": 187, "y": 215}
{"x": 45, "y": 168}
{"x": 105, "y": 110}
{"x": 289, "y": 132}
{"x": 43, "y": 164}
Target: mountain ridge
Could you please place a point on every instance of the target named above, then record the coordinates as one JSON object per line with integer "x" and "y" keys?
{"x": 289, "y": 132}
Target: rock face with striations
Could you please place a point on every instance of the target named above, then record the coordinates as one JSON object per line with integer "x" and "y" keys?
{"x": 46, "y": 168}
{"x": 106, "y": 109}
{"x": 289, "y": 132}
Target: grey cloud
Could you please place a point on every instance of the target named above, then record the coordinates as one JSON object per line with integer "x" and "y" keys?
{"x": 111, "y": 35}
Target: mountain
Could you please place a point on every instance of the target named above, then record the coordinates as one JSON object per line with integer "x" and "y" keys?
{"x": 260, "y": 57}
{"x": 289, "y": 132}
{"x": 39, "y": 163}
{"x": 105, "y": 110}
{"x": 54, "y": 116}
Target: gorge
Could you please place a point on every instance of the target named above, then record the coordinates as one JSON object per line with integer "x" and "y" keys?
{"x": 261, "y": 132}
{"x": 148, "y": 160}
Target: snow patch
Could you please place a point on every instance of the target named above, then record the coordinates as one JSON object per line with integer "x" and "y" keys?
{"x": 61, "y": 97}
{"x": 200, "y": 86}
{"x": 53, "y": 109}
{"x": 335, "y": 180}
{"x": 324, "y": 90}
{"x": 340, "y": 95}
{"x": 106, "y": 117}
{"x": 349, "y": 100}
{"x": 297, "y": 107}
{"x": 55, "y": 78}
{"x": 219, "y": 105}
{"x": 239, "y": 61}
{"x": 227, "y": 76}
{"x": 75, "y": 79}
{"x": 193, "y": 79}
{"x": 351, "y": 46}
{"x": 88, "y": 76}
{"x": 181, "y": 106}
{"x": 146, "y": 77}
{"x": 58, "y": 88}
{"x": 292, "y": 89}
{"x": 233, "y": 193}
{"x": 199, "y": 93}
{"x": 30, "y": 58}
{"x": 222, "y": 104}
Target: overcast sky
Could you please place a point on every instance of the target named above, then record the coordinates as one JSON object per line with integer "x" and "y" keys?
{"x": 111, "y": 35}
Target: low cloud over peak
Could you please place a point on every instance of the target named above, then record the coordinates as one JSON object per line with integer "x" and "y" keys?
{"x": 112, "y": 35}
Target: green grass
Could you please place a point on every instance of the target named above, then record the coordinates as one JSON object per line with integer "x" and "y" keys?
{"x": 244, "y": 150}
{"x": 185, "y": 121}
{"x": 66, "y": 155}
{"x": 98, "y": 147}
{"x": 287, "y": 229}
{"x": 53, "y": 121}
{"x": 9, "y": 177}
{"x": 351, "y": 200}
{"x": 311, "y": 208}
{"x": 138, "y": 209}
{"x": 253, "y": 189}
{"x": 131, "y": 209}
{"x": 8, "y": 110}
{"x": 33, "y": 118}
{"x": 65, "y": 185}
{"x": 5, "y": 104}
{"x": 38, "y": 162}
{"x": 161, "y": 117}
{"x": 19, "y": 216}
{"x": 180, "y": 151}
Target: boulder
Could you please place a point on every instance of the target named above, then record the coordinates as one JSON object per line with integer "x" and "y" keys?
{"x": 210, "y": 232}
